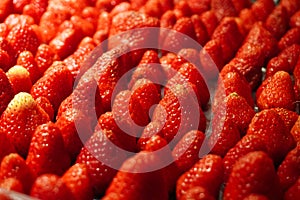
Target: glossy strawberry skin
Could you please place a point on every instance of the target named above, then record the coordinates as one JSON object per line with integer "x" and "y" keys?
{"x": 8, "y": 92}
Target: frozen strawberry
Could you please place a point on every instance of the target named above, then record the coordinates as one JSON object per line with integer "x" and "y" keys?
{"x": 277, "y": 22}
{"x": 20, "y": 119}
{"x": 246, "y": 145}
{"x": 186, "y": 152}
{"x": 19, "y": 78}
{"x": 65, "y": 43}
{"x": 285, "y": 61}
{"x": 102, "y": 158}
{"x": 293, "y": 192}
{"x": 288, "y": 117}
{"x": 50, "y": 186}
{"x": 295, "y": 20}
{"x": 210, "y": 21}
{"x": 14, "y": 166}
{"x": 50, "y": 84}
{"x": 35, "y": 9}
{"x": 78, "y": 181}
{"x": 6, "y": 7}
{"x": 270, "y": 127}
{"x": 223, "y": 9}
{"x": 44, "y": 103}
{"x": 51, "y": 157}
{"x": 130, "y": 183}
{"x": 252, "y": 173}
{"x": 262, "y": 9}
{"x": 44, "y": 57}
{"x": 206, "y": 173}
{"x": 22, "y": 37}
{"x": 10, "y": 184}
{"x": 288, "y": 170}
{"x": 291, "y": 6}
{"x": 26, "y": 60}
{"x": 278, "y": 92}
{"x": 290, "y": 37}
{"x": 7, "y": 91}
{"x": 295, "y": 131}
{"x": 197, "y": 193}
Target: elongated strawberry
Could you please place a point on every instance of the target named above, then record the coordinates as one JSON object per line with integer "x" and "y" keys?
{"x": 290, "y": 37}
{"x": 44, "y": 57}
{"x": 288, "y": 170}
{"x": 14, "y": 166}
{"x": 252, "y": 173}
{"x": 200, "y": 30}
{"x": 78, "y": 181}
{"x": 291, "y": 6}
{"x": 44, "y": 103}
{"x": 102, "y": 159}
{"x": 186, "y": 152}
{"x": 294, "y": 20}
{"x": 50, "y": 186}
{"x": 130, "y": 183}
{"x": 6, "y": 7}
{"x": 19, "y": 78}
{"x": 20, "y": 119}
{"x": 5, "y": 145}
{"x": 50, "y": 84}
{"x": 26, "y": 59}
{"x": 293, "y": 192}
{"x": 223, "y": 8}
{"x": 17, "y": 19}
{"x": 206, "y": 173}
{"x": 295, "y": 131}
{"x": 262, "y": 9}
{"x": 210, "y": 21}
{"x": 288, "y": 117}
{"x": 7, "y": 91}
{"x": 52, "y": 157}
{"x": 277, "y": 92}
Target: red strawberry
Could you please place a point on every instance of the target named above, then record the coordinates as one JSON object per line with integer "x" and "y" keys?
{"x": 78, "y": 181}
{"x": 256, "y": 197}
{"x": 14, "y": 166}
{"x": 293, "y": 192}
{"x": 291, "y": 37}
{"x": 20, "y": 119}
{"x": 206, "y": 173}
{"x": 35, "y": 9}
{"x": 186, "y": 152}
{"x": 151, "y": 131}
{"x": 153, "y": 143}
{"x": 6, "y": 146}
{"x": 156, "y": 8}
{"x": 197, "y": 193}
{"x": 5, "y": 60}
{"x": 262, "y": 9}
{"x": 10, "y": 184}
{"x": 44, "y": 57}
{"x": 22, "y": 38}
{"x": 240, "y": 5}
{"x": 6, "y": 7}
{"x": 291, "y": 6}
{"x": 122, "y": 7}
{"x": 102, "y": 159}
{"x": 247, "y": 18}
{"x": 200, "y": 30}
{"x": 107, "y": 5}
{"x": 168, "y": 19}
{"x": 50, "y": 186}
{"x": 295, "y": 131}
{"x": 285, "y": 61}
{"x": 246, "y": 145}
{"x": 252, "y": 173}
{"x": 182, "y": 9}
{"x": 277, "y": 22}
{"x": 130, "y": 183}
{"x": 50, "y": 85}
{"x": 278, "y": 92}
{"x": 26, "y": 59}
{"x": 44, "y": 103}
{"x": 7, "y": 91}
{"x": 270, "y": 127}
{"x": 18, "y": 20}
{"x": 295, "y": 20}
{"x": 19, "y": 78}
{"x": 223, "y": 8}
{"x": 51, "y": 157}
{"x": 289, "y": 170}
{"x": 288, "y": 117}
{"x": 199, "y": 6}
{"x": 210, "y": 21}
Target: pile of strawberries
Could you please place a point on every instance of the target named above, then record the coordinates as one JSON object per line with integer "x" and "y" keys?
{"x": 57, "y": 136}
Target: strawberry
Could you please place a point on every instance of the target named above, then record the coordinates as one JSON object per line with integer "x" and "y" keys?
{"x": 290, "y": 37}
{"x": 197, "y": 193}
{"x": 294, "y": 20}
{"x": 5, "y": 60}
{"x": 295, "y": 131}
{"x": 26, "y": 59}
{"x": 136, "y": 4}
{"x": 22, "y": 37}
{"x": 44, "y": 57}
{"x": 186, "y": 151}
{"x": 285, "y": 61}
{"x": 168, "y": 19}
{"x": 107, "y": 5}
{"x": 18, "y": 20}
{"x": 10, "y": 184}
{"x": 51, "y": 157}
{"x": 288, "y": 170}
{"x": 20, "y": 119}
{"x": 288, "y": 117}
{"x": 102, "y": 159}
{"x": 210, "y": 21}
{"x": 156, "y": 8}
{"x": 256, "y": 197}
{"x": 246, "y": 145}
{"x": 130, "y": 183}
{"x": 247, "y": 18}
{"x": 50, "y": 186}
{"x": 262, "y": 9}
{"x": 293, "y": 192}
{"x": 240, "y": 5}
{"x": 6, "y": 7}
{"x": 199, "y": 6}
{"x": 153, "y": 143}
{"x": 223, "y": 9}
{"x": 206, "y": 173}
{"x": 151, "y": 131}
{"x": 278, "y": 92}
{"x": 252, "y": 173}
{"x": 35, "y": 9}
{"x": 291, "y": 6}
{"x": 78, "y": 181}
{"x": 270, "y": 127}
{"x": 182, "y": 9}
{"x": 19, "y": 78}
{"x": 200, "y": 30}
{"x": 6, "y": 146}
{"x": 19, "y": 4}
{"x": 277, "y": 22}
{"x": 14, "y": 166}
{"x": 122, "y": 7}
{"x": 44, "y": 103}
{"x": 49, "y": 85}
{"x": 7, "y": 91}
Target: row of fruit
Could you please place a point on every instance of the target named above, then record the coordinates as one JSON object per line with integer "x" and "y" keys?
{"x": 63, "y": 138}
